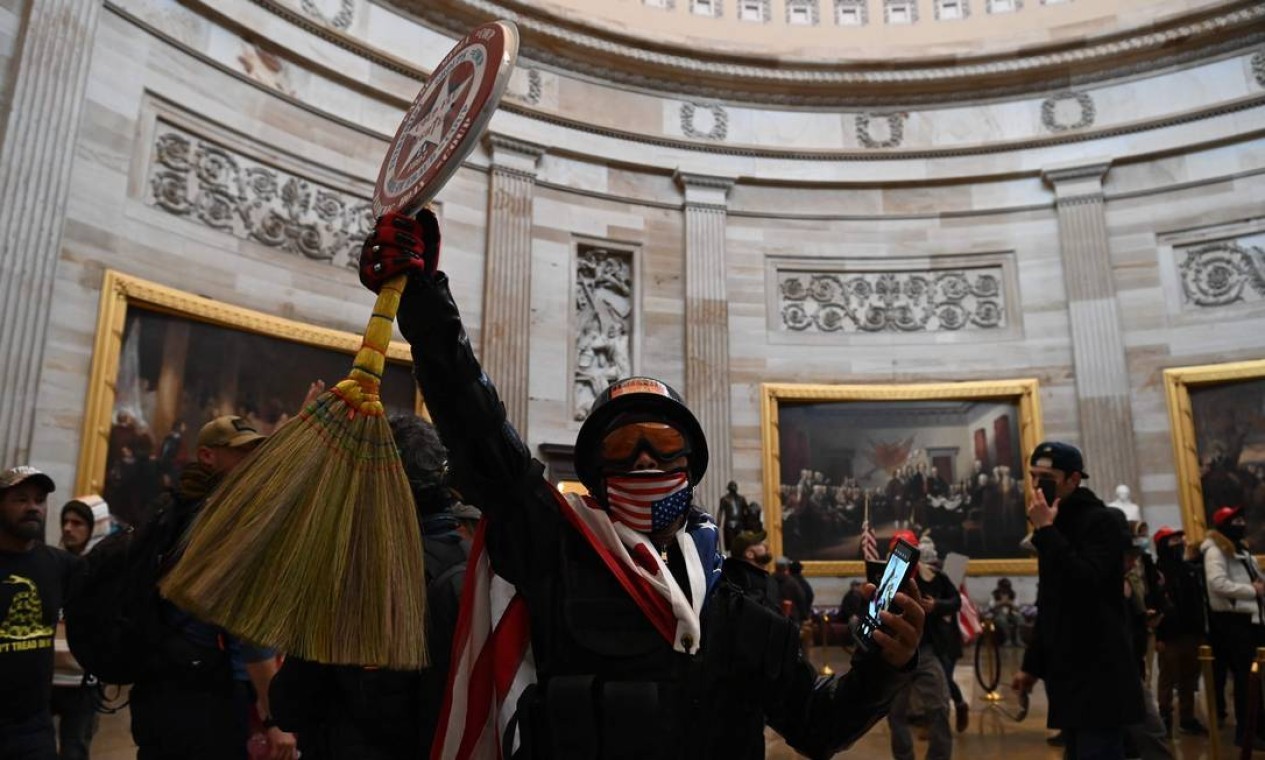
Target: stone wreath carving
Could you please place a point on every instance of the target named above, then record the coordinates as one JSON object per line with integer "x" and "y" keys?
{"x": 1258, "y": 68}
{"x": 341, "y": 20}
{"x": 1223, "y": 273}
{"x": 895, "y": 129}
{"x": 603, "y": 319}
{"x": 909, "y": 301}
{"x": 207, "y": 183}
{"x": 720, "y": 122}
{"x": 1049, "y": 111}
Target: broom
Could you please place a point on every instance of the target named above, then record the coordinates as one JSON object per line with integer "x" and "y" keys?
{"x": 312, "y": 544}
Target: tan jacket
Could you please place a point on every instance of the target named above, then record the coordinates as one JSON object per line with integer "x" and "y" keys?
{"x": 1229, "y": 580}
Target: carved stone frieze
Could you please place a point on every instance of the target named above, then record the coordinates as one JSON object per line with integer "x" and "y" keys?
{"x": 1004, "y": 6}
{"x": 1258, "y": 68}
{"x": 719, "y": 128}
{"x": 930, "y": 300}
{"x": 1053, "y": 121}
{"x": 895, "y": 129}
{"x": 340, "y": 19}
{"x": 1223, "y": 273}
{"x": 603, "y": 322}
{"x": 207, "y": 183}
{"x": 534, "y": 86}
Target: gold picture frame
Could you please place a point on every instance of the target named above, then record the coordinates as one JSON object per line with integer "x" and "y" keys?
{"x": 1024, "y": 393}
{"x": 121, "y": 292}
{"x": 1178, "y": 383}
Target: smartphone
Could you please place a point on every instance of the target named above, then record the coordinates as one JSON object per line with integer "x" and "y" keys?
{"x": 900, "y": 565}
{"x": 1047, "y": 486}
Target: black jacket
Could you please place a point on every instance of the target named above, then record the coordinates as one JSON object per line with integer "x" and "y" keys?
{"x": 1080, "y": 642}
{"x": 608, "y": 684}
{"x": 941, "y": 629}
{"x": 341, "y": 712}
{"x": 1185, "y": 603}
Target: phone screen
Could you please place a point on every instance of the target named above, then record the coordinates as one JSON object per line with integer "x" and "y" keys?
{"x": 894, "y": 574}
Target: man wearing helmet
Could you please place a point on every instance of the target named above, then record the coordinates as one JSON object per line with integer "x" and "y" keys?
{"x": 639, "y": 648}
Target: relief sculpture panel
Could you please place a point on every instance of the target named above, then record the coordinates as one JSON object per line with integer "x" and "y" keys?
{"x": 603, "y": 322}
{"x": 1223, "y": 273}
{"x": 212, "y": 185}
{"x": 928, "y": 300}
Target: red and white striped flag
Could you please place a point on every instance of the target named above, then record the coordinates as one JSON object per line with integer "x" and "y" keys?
{"x": 869, "y": 543}
{"x": 968, "y": 617}
{"x": 491, "y": 664}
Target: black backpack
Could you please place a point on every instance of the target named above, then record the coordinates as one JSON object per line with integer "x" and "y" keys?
{"x": 113, "y": 617}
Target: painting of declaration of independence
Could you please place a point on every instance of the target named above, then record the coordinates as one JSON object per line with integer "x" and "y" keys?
{"x": 954, "y": 468}
{"x": 175, "y": 374}
{"x": 1230, "y": 440}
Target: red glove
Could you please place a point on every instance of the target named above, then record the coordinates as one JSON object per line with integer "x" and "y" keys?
{"x": 399, "y": 245}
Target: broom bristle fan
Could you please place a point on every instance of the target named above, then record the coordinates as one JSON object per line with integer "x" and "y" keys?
{"x": 312, "y": 545}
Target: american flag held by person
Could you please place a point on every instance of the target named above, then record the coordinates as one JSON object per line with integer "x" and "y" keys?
{"x": 492, "y": 661}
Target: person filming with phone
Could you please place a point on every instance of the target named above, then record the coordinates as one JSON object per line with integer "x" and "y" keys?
{"x": 1080, "y": 644}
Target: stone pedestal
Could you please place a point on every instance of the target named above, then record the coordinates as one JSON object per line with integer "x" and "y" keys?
{"x": 507, "y": 277}
{"x": 1102, "y": 378}
{"x": 35, "y": 162}
{"x": 707, "y": 325}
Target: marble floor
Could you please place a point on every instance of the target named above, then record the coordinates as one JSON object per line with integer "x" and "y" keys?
{"x": 990, "y": 735}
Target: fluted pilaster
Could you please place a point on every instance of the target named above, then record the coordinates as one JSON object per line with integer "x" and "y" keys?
{"x": 35, "y": 162}
{"x": 707, "y": 325}
{"x": 507, "y": 279}
{"x": 1102, "y": 377}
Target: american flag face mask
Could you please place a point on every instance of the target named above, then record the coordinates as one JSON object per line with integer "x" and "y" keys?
{"x": 650, "y": 500}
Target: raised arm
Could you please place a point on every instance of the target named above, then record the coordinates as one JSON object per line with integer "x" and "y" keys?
{"x": 490, "y": 464}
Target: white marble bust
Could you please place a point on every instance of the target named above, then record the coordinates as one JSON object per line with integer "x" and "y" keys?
{"x": 1123, "y": 502}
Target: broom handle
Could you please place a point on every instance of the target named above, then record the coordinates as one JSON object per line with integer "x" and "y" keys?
{"x": 371, "y": 358}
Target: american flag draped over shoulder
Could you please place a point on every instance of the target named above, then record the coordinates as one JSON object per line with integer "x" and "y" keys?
{"x": 492, "y": 661}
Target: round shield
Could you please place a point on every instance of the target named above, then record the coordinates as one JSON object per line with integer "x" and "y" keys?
{"x": 445, "y": 121}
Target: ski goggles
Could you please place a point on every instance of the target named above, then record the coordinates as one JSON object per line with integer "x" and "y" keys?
{"x": 660, "y": 440}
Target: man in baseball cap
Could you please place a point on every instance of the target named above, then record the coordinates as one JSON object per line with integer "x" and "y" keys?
{"x": 33, "y": 582}
{"x": 225, "y": 441}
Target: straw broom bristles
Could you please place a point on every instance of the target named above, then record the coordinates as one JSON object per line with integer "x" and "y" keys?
{"x": 312, "y": 544}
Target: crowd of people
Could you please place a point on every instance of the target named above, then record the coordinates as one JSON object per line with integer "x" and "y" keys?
{"x": 640, "y": 638}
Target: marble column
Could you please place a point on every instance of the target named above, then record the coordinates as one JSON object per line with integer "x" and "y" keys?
{"x": 707, "y": 325}
{"x": 507, "y": 277}
{"x": 1098, "y": 353}
{"x": 51, "y": 72}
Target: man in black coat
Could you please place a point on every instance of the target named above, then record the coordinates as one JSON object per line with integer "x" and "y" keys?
{"x": 1080, "y": 644}
{"x": 640, "y": 648}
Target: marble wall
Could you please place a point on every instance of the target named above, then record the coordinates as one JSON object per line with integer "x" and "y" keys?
{"x": 247, "y": 87}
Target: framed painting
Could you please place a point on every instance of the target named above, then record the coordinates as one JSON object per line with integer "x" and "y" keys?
{"x": 165, "y": 362}
{"x": 945, "y": 460}
{"x": 1217, "y": 416}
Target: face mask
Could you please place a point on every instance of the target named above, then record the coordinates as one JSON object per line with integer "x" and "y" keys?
{"x": 1234, "y": 532}
{"x": 648, "y": 501}
{"x": 762, "y": 559}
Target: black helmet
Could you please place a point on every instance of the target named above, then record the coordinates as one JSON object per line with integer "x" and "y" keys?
{"x": 636, "y": 399}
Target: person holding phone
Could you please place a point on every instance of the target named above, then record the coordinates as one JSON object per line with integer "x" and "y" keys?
{"x": 1081, "y": 642}
{"x": 639, "y": 646}
{"x": 930, "y": 688}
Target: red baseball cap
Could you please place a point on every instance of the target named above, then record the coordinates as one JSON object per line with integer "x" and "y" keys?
{"x": 908, "y": 535}
{"x": 1165, "y": 532}
{"x": 1225, "y": 515}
